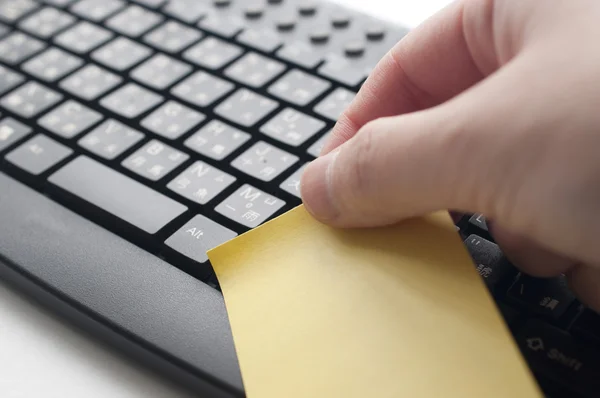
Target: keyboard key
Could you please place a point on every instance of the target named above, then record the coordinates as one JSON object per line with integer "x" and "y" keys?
{"x": 292, "y": 183}
{"x": 249, "y": 206}
{"x": 110, "y": 139}
{"x": 316, "y": 148}
{"x": 69, "y": 119}
{"x": 299, "y": 88}
{"x": 264, "y": 161}
{"x": 52, "y": 64}
{"x": 213, "y": 53}
{"x": 83, "y": 37}
{"x": 375, "y": 32}
{"x": 131, "y": 100}
{"x": 478, "y": 221}
{"x": 355, "y": 49}
{"x": 12, "y": 131}
{"x": 90, "y": 82}
{"x": 225, "y": 26}
{"x": 160, "y": 71}
{"x": 335, "y": 103}
{"x": 307, "y": 8}
{"x": 189, "y": 11}
{"x": 134, "y": 21}
{"x": 96, "y": 10}
{"x": 121, "y": 53}
{"x": 292, "y": 127}
{"x": 254, "y": 70}
{"x": 9, "y": 79}
{"x": 30, "y": 99}
{"x": 46, "y": 22}
{"x": 12, "y": 10}
{"x": 549, "y": 297}
{"x": 38, "y": 154}
{"x": 171, "y": 120}
{"x": 154, "y": 160}
{"x": 217, "y": 140}
{"x": 264, "y": 39}
{"x": 117, "y": 194}
{"x": 554, "y": 355}
{"x": 489, "y": 261}
{"x": 200, "y": 183}
{"x": 18, "y": 46}
{"x": 246, "y": 108}
{"x": 300, "y": 53}
{"x": 343, "y": 71}
{"x": 202, "y": 89}
{"x": 198, "y": 236}
{"x": 172, "y": 37}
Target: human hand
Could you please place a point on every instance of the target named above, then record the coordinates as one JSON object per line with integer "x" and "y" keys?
{"x": 489, "y": 107}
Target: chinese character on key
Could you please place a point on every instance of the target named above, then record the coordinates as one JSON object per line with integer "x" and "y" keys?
{"x": 5, "y": 133}
{"x": 156, "y": 170}
{"x": 251, "y": 215}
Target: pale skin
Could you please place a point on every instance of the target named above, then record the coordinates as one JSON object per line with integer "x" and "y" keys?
{"x": 488, "y": 107}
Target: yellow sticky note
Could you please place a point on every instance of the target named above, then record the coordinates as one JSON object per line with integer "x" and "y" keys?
{"x": 389, "y": 313}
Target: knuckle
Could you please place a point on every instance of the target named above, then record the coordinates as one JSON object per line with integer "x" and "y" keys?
{"x": 363, "y": 160}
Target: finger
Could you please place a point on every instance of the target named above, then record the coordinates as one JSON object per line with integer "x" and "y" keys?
{"x": 529, "y": 256}
{"x": 585, "y": 282}
{"x": 409, "y": 165}
{"x": 431, "y": 64}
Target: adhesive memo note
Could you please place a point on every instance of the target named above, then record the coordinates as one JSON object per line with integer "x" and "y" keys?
{"x": 390, "y": 312}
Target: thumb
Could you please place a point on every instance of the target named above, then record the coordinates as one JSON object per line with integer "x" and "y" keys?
{"x": 404, "y": 166}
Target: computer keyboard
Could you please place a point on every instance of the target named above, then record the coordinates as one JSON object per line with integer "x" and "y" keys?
{"x": 181, "y": 124}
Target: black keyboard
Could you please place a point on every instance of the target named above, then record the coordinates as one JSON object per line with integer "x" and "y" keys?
{"x": 181, "y": 124}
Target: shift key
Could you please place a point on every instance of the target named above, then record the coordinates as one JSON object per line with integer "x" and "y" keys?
{"x": 117, "y": 194}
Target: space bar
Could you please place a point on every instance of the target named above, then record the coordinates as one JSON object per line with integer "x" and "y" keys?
{"x": 117, "y": 194}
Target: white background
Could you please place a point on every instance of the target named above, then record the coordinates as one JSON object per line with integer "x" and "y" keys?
{"x": 42, "y": 357}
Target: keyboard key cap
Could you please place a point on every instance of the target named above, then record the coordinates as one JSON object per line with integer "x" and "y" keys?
{"x": 301, "y": 54}
{"x": 12, "y": 131}
{"x": 478, "y": 221}
{"x": 52, "y": 64}
{"x": 155, "y": 160}
{"x": 202, "y": 89}
{"x": 9, "y": 79}
{"x": 134, "y": 21}
{"x": 110, "y": 139}
{"x": 69, "y": 119}
{"x": 12, "y": 10}
{"x": 189, "y": 11}
{"x": 160, "y": 71}
{"x": 316, "y": 148}
{"x": 292, "y": 127}
{"x": 549, "y": 297}
{"x": 254, "y": 70}
{"x": 96, "y": 10}
{"x": 554, "y": 355}
{"x": 249, "y": 206}
{"x": 46, "y": 22}
{"x": 265, "y": 40}
{"x": 30, "y": 99}
{"x": 217, "y": 140}
{"x": 200, "y": 183}
{"x": 298, "y": 87}
{"x": 171, "y": 120}
{"x": 225, "y": 26}
{"x": 90, "y": 82}
{"x": 213, "y": 53}
{"x": 38, "y": 154}
{"x": 172, "y": 37}
{"x": 491, "y": 264}
{"x": 18, "y": 46}
{"x": 292, "y": 183}
{"x": 246, "y": 108}
{"x": 335, "y": 103}
{"x": 117, "y": 194}
{"x": 307, "y": 8}
{"x": 343, "y": 71}
{"x": 264, "y": 161}
{"x": 131, "y": 100}
{"x": 198, "y": 236}
{"x": 83, "y": 37}
{"x": 121, "y": 53}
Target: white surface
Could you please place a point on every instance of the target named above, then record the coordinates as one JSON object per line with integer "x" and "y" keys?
{"x": 42, "y": 357}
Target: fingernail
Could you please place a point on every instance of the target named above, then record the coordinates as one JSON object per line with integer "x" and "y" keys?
{"x": 315, "y": 188}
